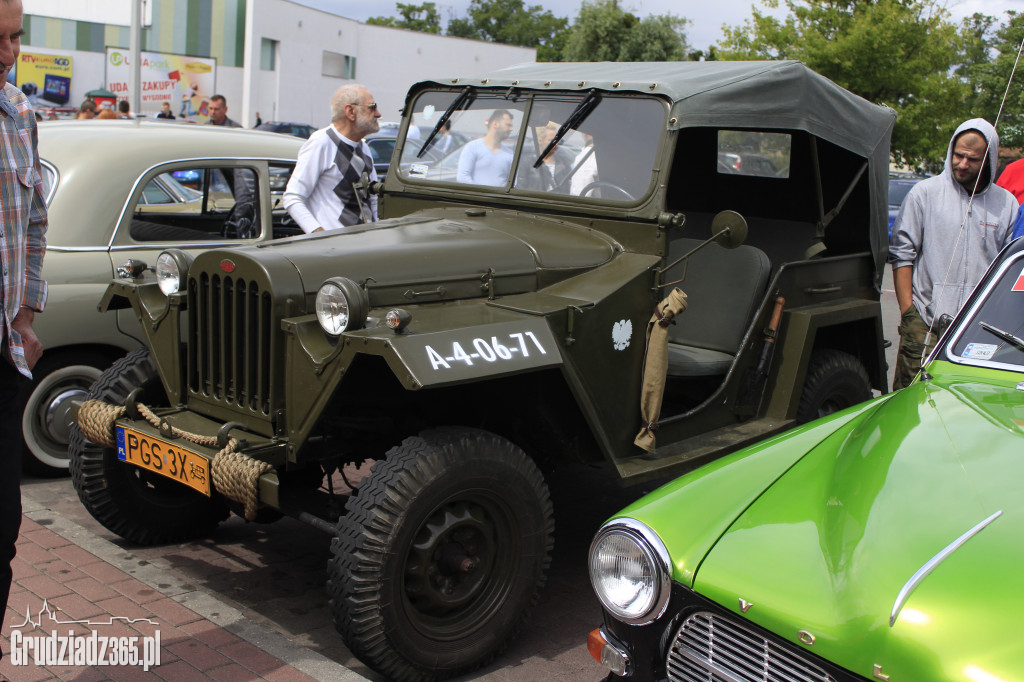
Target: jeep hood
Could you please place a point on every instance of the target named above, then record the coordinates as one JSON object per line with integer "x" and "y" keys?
{"x": 828, "y": 547}
{"x": 448, "y": 254}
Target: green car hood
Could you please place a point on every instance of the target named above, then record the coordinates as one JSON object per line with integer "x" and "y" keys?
{"x": 690, "y": 513}
{"x": 448, "y": 254}
{"x": 826, "y": 550}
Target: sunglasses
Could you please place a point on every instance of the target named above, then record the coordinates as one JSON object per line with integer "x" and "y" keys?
{"x": 371, "y": 107}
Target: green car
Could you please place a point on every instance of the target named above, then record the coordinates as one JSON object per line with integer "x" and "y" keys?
{"x": 881, "y": 542}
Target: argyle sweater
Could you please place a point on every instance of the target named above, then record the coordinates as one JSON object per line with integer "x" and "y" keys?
{"x": 320, "y": 193}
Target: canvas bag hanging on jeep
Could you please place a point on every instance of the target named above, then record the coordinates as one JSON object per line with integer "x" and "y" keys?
{"x": 652, "y": 392}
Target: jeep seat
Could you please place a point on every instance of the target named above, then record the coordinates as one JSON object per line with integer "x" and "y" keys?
{"x": 724, "y": 288}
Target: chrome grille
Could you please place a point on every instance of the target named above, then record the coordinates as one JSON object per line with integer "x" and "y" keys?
{"x": 709, "y": 648}
{"x": 230, "y": 342}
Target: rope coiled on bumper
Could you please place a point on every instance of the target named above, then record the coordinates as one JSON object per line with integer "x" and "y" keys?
{"x": 235, "y": 475}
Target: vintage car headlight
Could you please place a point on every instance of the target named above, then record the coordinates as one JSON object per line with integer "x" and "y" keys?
{"x": 341, "y": 304}
{"x": 629, "y": 569}
{"x": 171, "y": 270}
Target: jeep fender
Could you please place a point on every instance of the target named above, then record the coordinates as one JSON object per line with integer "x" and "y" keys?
{"x": 452, "y": 345}
{"x": 569, "y": 326}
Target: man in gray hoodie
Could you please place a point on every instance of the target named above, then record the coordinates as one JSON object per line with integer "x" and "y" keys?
{"x": 949, "y": 229}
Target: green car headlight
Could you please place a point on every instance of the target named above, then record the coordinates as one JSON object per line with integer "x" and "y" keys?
{"x": 629, "y": 571}
{"x": 171, "y": 270}
{"x": 341, "y": 305}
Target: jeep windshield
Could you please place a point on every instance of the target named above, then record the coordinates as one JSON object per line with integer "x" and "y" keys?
{"x": 607, "y": 149}
{"x": 992, "y": 335}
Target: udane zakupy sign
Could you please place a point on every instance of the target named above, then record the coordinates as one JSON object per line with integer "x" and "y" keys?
{"x": 186, "y": 82}
{"x": 48, "y": 74}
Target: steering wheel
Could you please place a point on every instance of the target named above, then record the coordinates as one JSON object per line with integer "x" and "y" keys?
{"x": 599, "y": 184}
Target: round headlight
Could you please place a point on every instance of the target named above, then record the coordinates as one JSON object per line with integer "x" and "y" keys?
{"x": 171, "y": 270}
{"x": 340, "y": 305}
{"x": 629, "y": 571}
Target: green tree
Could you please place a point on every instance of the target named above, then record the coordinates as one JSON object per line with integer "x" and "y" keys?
{"x": 423, "y": 18}
{"x": 900, "y": 53}
{"x": 991, "y": 59}
{"x": 603, "y": 31}
{"x": 513, "y": 23}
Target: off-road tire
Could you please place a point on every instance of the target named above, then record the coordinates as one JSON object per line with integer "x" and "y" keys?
{"x": 57, "y": 378}
{"x": 140, "y": 506}
{"x": 835, "y": 380}
{"x": 437, "y": 500}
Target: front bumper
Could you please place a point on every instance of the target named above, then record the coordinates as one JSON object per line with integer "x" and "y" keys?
{"x": 187, "y": 435}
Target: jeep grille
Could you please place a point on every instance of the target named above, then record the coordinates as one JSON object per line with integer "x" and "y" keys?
{"x": 710, "y": 648}
{"x": 229, "y": 342}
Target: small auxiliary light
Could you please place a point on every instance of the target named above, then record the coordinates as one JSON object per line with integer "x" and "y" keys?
{"x": 397, "y": 319}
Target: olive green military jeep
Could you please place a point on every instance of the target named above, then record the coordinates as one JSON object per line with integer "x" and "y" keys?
{"x": 536, "y": 224}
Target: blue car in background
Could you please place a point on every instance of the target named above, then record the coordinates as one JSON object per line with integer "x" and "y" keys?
{"x": 899, "y": 185}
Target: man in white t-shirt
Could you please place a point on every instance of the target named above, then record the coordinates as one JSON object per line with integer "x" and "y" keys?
{"x": 320, "y": 193}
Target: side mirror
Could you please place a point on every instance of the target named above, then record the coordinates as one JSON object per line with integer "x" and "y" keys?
{"x": 729, "y": 229}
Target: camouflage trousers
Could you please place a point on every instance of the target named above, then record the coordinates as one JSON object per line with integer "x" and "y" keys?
{"x": 912, "y": 350}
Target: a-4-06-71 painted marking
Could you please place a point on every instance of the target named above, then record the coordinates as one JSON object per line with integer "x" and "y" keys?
{"x": 493, "y": 350}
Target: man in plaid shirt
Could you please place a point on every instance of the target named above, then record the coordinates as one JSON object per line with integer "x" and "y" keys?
{"x": 22, "y": 290}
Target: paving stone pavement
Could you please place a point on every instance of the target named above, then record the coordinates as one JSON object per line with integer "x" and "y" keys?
{"x": 248, "y": 602}
{"x": 64, "y": 572}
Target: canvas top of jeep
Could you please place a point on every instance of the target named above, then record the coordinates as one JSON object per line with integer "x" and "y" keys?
{"x": 646, "y": 265}
{"x": 652, "y": 121}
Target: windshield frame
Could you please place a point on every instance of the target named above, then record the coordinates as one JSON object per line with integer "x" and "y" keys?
{"x": 971, "y": 317}
{"x": 484, "y": 98}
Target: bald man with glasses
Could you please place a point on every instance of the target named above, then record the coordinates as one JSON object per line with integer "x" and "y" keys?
{"x": 320, "y": 194}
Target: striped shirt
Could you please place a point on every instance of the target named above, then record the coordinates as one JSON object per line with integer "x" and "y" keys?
{"x": 22, "y": 222}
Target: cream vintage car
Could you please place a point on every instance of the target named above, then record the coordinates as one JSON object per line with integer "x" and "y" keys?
{"x": 126, "y": 190}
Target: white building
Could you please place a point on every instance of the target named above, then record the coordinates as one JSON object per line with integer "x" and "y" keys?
{"x": 276, "y": 57}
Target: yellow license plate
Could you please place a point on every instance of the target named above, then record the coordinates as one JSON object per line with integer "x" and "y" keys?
{"x": 165, "y": 458}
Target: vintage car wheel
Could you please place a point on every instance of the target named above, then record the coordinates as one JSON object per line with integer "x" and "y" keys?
{"x": 441, "y": 554}
{"x": 835, "y": 380}
{"x": 45, "y": 424}
{"x": 136, "y": 504}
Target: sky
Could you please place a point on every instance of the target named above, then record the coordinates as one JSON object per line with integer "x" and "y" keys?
{"x": 706, "y": 16}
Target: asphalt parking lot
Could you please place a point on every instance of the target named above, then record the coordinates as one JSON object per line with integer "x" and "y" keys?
{"x": 273, "y": 575}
